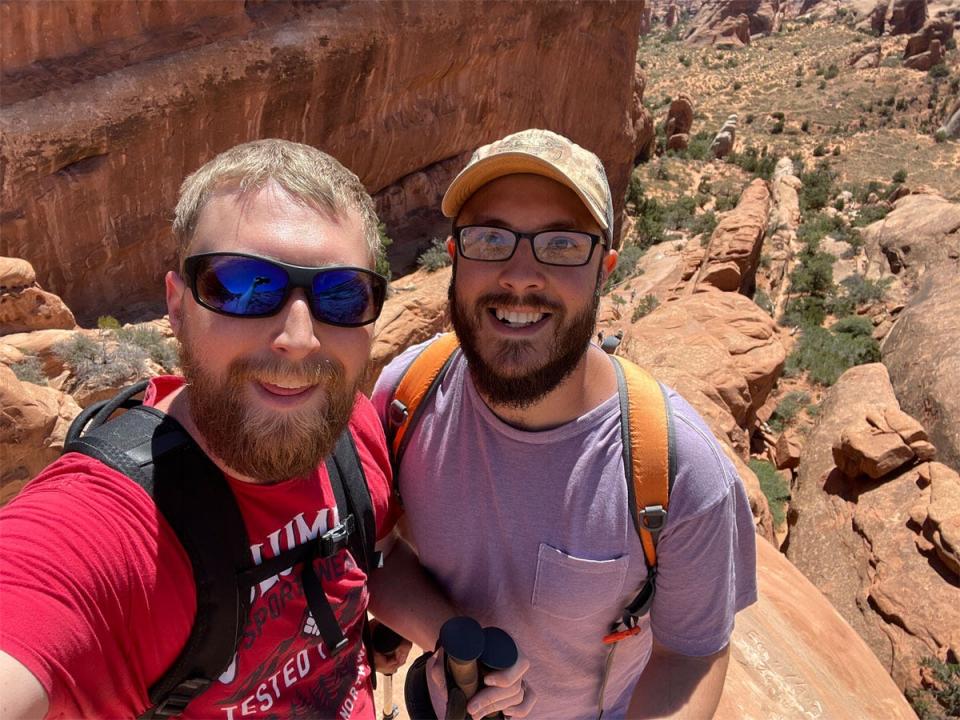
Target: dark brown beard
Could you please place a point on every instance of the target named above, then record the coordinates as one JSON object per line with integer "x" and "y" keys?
{"x": 263, "y": 445}
{"x": 521, "y": 390}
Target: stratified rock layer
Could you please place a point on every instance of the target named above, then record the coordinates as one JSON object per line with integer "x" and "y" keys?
{"x": 401, "y": 93}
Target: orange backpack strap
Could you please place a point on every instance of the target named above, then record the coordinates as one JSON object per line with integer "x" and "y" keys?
{"x": 650, "y": 466}
{"x": 417, "y": 385}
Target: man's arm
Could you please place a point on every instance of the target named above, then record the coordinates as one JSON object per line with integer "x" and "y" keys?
{"x": 679, "y": 686}
{"x": 21, "y": 694}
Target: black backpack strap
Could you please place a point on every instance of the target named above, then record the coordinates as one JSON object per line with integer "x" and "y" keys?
{"x": 157, "y": 453}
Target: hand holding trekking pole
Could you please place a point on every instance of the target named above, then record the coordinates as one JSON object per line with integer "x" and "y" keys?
{"x": 388, "y": 644}
{"x": 484, "y": 672}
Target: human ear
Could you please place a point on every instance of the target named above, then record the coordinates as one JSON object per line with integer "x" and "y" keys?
{"x": 451, "y": 248}
{"x": 175, "y": 289}
{"x": 609, "y": 262}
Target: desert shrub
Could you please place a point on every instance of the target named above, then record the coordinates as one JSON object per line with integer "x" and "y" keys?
{"x": 805, "y": 311}
{"x": 817, "y": 187}
{"x": 858, "y": 290}
{"x": 763, "y": 301}
{"x": 787, "y": 409}
{"x": 158, "y": 348}
{"x": 737, "y": 85}
{"x": 777, "y": 115}
{"x": 30, "y": 370}
{"x": 938, "y": 71}
{"x": 698, "y": 147}
{"x": 940, "y": 136}
{"x": 825, "y": 354}
{"x": 822, "y": 85}
{"x": 753, "y": 161}
{"x": 383, "y": 264}
{"x": 870, "y": 214}
{"x": 749, "y": 118}
{"x": 704, "y": 223}
{"x": 819, "y": 150}
{"x": 900, "y": 176}
{"x": 816, "y": 226}
{"x": 777, "y": 128}
{"x": 831, "y": 72}
{"x": 902, "y": 104}
{"x": 435, "y": 256}
{"x": 773, "y": 487}
{"x": 646, "y": 305}
{"x": 626, "y": 265}
{"x": 805, "y": 126}
{"x": 107, "y": 322}
{"x": 836, "y": 151}
{"x": 684, "y": 60}
{"x": 100, "y": 362}
{"x": 839, "y": 204}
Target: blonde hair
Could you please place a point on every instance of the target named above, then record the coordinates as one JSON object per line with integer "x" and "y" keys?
{"x": 307, "y": 174}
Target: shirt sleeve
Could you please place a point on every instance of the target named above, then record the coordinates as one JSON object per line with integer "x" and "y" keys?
{"x": 706, "y": 554}
{"x": 372, "y": 448}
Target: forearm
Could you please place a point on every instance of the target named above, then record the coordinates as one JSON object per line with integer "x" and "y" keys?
{"x": 21, "y": 694}
{"x": 406, "y": 598}
{"x": 679, "y": 686}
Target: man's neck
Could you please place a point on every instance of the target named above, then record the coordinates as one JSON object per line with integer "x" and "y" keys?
{"x": 177, "y": 406}
{"x": 591, "y": 383}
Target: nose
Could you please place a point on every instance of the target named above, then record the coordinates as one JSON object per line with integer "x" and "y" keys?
{"x": 297, "y": 336}
{"x": 522, "y": 272}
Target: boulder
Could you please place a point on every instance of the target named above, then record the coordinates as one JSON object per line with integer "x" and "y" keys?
{"x": 922, "y": 354}
{"x": 862, "y": 542}
{"x": 921, "y": 233}
{"x": 723, "y": 143}
{"x": 786, "y": 452}
{"x": 942, "y": 525}
{"x": 926, "y": 60}
{"x": 90, "y": 97}
{"x": 33, "y": 424}
{"x": 939, "y": 29}
{"x": 734, "y": 250}
{"x": 879, "y": 443}
{"x": 793, "y": 657}
{"x": 732, "y": 22}
{"x": 678, "y": 142}
{"x": 16, "y": 274}
{"x": 680, "y": 116}
{"x": 866, "y": 56}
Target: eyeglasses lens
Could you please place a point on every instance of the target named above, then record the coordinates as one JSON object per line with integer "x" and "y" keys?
{"x": 241, "y": 286}
{"x": 562, "y": 248}
{"x": 552, "y": 247}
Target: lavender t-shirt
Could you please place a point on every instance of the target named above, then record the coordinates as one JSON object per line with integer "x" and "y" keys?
{"x": 530, "y": 531}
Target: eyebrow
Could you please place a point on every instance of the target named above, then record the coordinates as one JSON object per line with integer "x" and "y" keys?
{"x": 566, "y": 224}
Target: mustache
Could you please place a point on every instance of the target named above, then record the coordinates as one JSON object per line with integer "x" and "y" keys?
{"x": 310, "y": 371}
{"x": 508, "y": 300}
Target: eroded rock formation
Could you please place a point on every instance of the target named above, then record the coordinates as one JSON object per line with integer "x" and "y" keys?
{"x": 733, "y": 21}
{"x": 24, "y": 306}
{"x": 400, "y": 92}
{"x": 865, "y": 543}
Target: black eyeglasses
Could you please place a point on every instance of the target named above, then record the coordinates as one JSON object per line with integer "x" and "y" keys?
{"x": 551, "y": 247}
{"x": 242, "y": 285}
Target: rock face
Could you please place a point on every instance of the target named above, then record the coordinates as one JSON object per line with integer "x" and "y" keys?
{"x": 906, "y": 16}
{"x": 399, "y": 92}
{"x": 926, "y": 60}
{"x": 866, "y": 544}
{"x": 734, "y": 250}
{"x": 922, "y": 354}
{"x": 733, "y": 21}
{"x": 921, "y": 233}
{"x": 680, "y": 116}
{"x": 940, "y": 29}
{"x": 882, "y": 441}
{"x": 865, "y": 57}
{"x": 951, "y": 125}
{"x": 793, "y": 657}
{"x": 23, "y": 305}
{"x": 33, "y": 424}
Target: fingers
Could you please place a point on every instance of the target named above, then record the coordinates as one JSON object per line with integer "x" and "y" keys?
{"x": 504, "y": 691}
{"x": 389, "y": 663}
{"x": 437, "y": 683}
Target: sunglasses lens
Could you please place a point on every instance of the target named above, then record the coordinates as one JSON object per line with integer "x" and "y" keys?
{"x": 349, "y": 297}
{"x": 240, "y": 285}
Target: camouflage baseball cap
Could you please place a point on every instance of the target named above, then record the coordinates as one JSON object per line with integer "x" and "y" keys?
{"x": 539, "y": 152}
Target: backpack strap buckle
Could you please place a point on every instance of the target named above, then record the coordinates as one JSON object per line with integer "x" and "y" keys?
{"x": 176, "y": 702}
{"x": 398, "y": 413}
{"x": 652, "y": 517}
{"x": 336, "y": 538}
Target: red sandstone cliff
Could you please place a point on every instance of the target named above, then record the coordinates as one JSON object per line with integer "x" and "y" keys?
{"x": 105, "y": 113}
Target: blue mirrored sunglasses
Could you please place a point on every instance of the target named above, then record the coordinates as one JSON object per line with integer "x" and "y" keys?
{"x": 241, "y": 285}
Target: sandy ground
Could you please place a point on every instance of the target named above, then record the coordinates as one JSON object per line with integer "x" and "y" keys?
{"x": 399, "y": 679}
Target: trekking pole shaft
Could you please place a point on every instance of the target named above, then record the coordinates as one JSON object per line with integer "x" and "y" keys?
{"x": 465, "y": 675}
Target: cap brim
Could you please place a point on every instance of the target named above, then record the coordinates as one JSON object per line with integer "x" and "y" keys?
{"x": 475, "y": 176}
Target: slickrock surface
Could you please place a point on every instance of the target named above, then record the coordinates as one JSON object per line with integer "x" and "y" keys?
{"x": 33, "y": 424}
{"x": 714, "y": 22}
{"x": 922, "y": 355}
{"x": 866, "y": 544}
{"x": 23, "y": 305}
{"x": 399, "y": 92}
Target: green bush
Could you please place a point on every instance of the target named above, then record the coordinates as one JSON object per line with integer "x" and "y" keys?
{"x": 645, "y": 306}
{"x": 805, "y": 311}
{"x": 763, "y": 301}
{"x": 816, "y": 226}
{"x": 626, "y": 265}
{"x": 938, "y": 71}
{"x": 30, "y": 370}
{"x": 826, "y": 354}
{"x": 158, "y": 348}
{"x": 698, "y": 147}
{"x": 98, "y": 362}
{"x": 805, "y": 126}
{"x": 831, "y": 72}
{"x": 817, "y": 188}
{"x": 870, "y": 214}
{"x": 774, "y": 488}
{"x": 435, "y": 256}
{"x": 819, "y": 150}
{"x": 777, "y": 128}
{"x": 787, "y": 409}
{"x": 900, "y": 176}
{"x": 940, "y": 136}
{"x": 704, "y": 223}
{"x": 107, "y": 322}
{"x": 856, "y": 291}
{"x": 755, "y": 162}
{"x": 383, "y": 264}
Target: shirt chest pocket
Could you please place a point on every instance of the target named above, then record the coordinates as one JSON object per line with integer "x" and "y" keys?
{"x": 574, "y": 588}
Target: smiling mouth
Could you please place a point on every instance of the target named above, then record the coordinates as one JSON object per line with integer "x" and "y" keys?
{"x": 285, "y": 388}
{"x": 515, "y": 319}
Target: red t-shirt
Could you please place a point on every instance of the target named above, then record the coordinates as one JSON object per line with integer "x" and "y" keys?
{"x": 97, "y": 596}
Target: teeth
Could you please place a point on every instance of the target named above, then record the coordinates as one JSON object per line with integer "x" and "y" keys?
{"x": 286, "y": 384}
{"x": 517, "y": 318}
